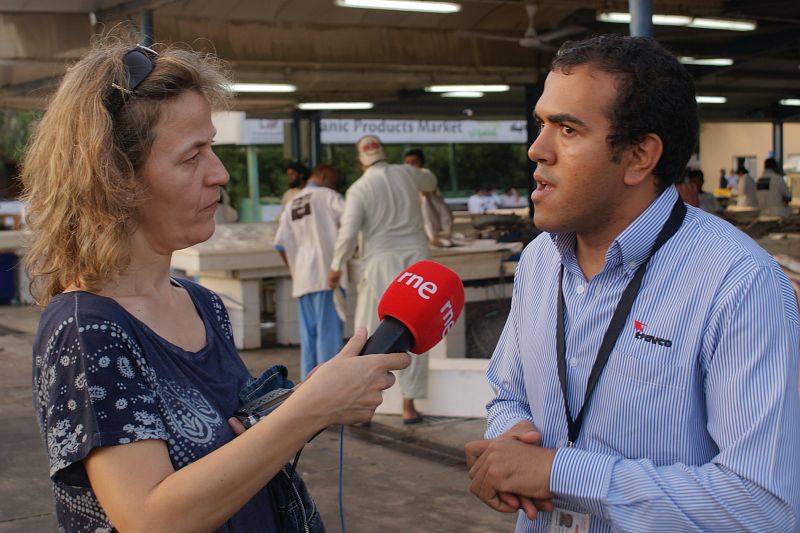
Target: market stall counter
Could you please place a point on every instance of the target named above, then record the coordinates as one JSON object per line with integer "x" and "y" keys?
{"x": 239, "y": 257}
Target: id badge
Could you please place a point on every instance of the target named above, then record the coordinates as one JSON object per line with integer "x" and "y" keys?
{"x": 563, "y": 521}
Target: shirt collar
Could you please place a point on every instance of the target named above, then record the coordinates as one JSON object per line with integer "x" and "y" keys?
{"x": 632, "y": 246}
{"x": 310, "y": 185}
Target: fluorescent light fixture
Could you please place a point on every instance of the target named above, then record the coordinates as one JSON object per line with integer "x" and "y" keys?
{"x": 319, "y": 106}
{"x": 671, "y": 20}
{"x": 707, "y": 62}
{"x": 463, "y": 94}
{"x": 680, "y": 20}
{"x": 403, "y": 5}
{"x": 710, "y": 99}
{"x": 723, "y": 24}
{"x": 262, "y": 88}
{"x": 618, "y": 18}
{"x": 790, "y": 101}
{"x": 458, "y": 88}
{"x": 659, "y": 20}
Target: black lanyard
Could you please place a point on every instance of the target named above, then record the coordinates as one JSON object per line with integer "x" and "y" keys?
{"x": 615, "y": 327}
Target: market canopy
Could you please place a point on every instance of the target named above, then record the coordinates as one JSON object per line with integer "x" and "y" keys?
{"x": 333, "y": 53}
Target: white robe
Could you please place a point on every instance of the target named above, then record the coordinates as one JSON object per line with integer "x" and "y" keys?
{"x": 382, "y": 208}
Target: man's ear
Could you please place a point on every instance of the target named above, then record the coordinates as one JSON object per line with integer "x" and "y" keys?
{"x": 642, "y": 158}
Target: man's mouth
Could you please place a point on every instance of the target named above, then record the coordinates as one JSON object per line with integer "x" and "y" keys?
{"x": 542, "y": 184}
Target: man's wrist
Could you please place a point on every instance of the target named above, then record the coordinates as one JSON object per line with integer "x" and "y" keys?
{"x": 581, "y": 477}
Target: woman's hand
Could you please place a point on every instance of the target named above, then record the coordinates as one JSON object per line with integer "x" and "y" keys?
{"x": 347, "y": 389}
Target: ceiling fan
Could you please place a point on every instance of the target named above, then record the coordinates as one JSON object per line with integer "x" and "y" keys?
{"x": 532, "y": 39}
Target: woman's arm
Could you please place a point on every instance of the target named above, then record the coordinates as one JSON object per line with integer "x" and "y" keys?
{"x": 140, "y": 491}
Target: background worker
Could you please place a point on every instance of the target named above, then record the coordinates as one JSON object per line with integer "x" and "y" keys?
{"x": 745, "y": 189}
{"x": 771, "y": 190}
{"x": 296, "y": 176}
{"x": 437, "y": 219}
{"x": 305, "y": 239}
{"x": 382, "y": 208}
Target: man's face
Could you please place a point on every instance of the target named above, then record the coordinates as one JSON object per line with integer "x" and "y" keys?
{"x": 413, "y": 160}
{"x": 577, "y": 185}
{"x": 295, "y": 180}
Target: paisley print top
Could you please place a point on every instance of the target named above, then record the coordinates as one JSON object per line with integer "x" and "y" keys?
{"x": 103, "y": 378}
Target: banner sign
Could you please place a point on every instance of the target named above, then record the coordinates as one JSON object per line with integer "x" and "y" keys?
{"x": 234, "y": 128}
{"x": 348, "y": 131}
{"x": 262, "y": 131}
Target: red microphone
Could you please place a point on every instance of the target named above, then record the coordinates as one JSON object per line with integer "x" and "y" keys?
{"x": 417, "y": 310}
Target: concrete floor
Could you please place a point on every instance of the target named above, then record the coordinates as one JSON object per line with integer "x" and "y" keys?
{"x": 396, "y": 478}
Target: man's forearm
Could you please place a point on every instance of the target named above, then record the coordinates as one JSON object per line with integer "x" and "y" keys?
{"x": 637, "y": 495}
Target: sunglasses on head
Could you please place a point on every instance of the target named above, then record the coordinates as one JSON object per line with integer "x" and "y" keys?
{"x": 139, "y": 62}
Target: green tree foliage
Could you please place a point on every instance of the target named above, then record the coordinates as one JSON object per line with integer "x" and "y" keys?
{"x": 15, "y": 130}
{"x": 494, "y": 166}
{"x": 271, "y": 171}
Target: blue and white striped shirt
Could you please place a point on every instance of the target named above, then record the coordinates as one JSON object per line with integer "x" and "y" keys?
{"x": 695, "y": 422}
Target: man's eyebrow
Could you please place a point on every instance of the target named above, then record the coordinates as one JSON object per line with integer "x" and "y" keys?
{"x": 561, "y": 118}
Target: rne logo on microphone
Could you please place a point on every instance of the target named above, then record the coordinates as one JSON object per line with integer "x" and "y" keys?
{"x": 447, "y": 317}
{"x": 425, "y": 289}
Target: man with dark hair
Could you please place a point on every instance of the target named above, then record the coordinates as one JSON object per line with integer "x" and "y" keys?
{"x": 745, "y": 188}
{"x": 437, "y": 219}
{"x": 646, "y": 378}
{"x": 772, "y": 193}
{"x": 414, "y": 157}
{"x": 305, "y": 238}
{"x": 705, "y": 200}
{"x": 297, "y": 175}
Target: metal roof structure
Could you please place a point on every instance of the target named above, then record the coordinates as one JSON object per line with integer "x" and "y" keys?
{"x": 334, "y": 53}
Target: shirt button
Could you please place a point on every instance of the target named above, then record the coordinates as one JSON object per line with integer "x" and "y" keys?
{"x": 579, "y": 289}
{"x": 573, "y": 362}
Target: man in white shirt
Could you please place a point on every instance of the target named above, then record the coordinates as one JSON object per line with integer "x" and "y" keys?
{"x": 746, "y": 188}
{"x": 305, "y": 239}
{"x": 382, "y": 207}
{"x": 772, "y": 193}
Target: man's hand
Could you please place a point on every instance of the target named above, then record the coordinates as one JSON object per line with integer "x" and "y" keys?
{"x": 333, "y": 278}
{"x": 486, "y": 462}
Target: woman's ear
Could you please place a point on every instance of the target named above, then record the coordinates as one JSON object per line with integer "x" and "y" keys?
{"x": 642, "y": 158}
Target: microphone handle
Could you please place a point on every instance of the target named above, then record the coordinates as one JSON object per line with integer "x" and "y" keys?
{"x": 390, "y": 337}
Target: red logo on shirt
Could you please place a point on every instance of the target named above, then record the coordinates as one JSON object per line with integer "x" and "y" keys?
{"x": 640, "y": 334}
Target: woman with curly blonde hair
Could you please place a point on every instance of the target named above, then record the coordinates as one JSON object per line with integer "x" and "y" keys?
{"x": 136, "y": 377}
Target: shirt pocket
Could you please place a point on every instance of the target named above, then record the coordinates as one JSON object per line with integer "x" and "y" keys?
{"x": 647, "y": 369}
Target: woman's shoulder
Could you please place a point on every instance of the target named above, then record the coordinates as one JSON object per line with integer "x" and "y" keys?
{"x": 208, "y": 303}
{"x": 202, "y": 296}
{"x": 79, "y": 307}
{"x": 79, "y": 321}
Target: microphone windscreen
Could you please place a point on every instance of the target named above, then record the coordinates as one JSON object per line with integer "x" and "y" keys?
{"x": 427, "y": 298}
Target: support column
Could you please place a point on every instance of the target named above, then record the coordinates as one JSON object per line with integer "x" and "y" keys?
{"x": 254, "y": 205}
{"x": 296, "y": 135}
{"x": 146, "y": 37}
{"x": 641, "y": 18}
{"x": 451, "y": 157}
{"x": 777, "y": 141}
{"x": 316, "y": 139}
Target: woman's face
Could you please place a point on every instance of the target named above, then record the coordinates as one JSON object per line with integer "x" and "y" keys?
{"x": 182, "y": 176}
